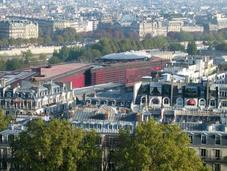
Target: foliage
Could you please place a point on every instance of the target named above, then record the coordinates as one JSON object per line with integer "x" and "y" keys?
{"x": 156, "y": 147}
{"x": 41, "y": 148}
{"x": 192, "y": 48}
{"x": 106, "y": 46}
{"x": 53, "y": 146}
{"x": 221, "y": 47}
{"x": 4, "y": 120}
{"x": 27, "y": 55}
{"x": 59, "y": 37}
{"x": 176, "y": 47}
{"x": 91, "y": 159}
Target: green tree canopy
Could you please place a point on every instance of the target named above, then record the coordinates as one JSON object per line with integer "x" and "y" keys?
{"x": 156, "y": 147}
{"x": 53, "y": 146}
{"x": 176, "y": 47}
{"x": 4, "y": 120}
{"x": 192, "y": 48}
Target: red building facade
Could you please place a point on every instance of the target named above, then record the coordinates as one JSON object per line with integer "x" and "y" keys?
{"x": 126, "y": 73}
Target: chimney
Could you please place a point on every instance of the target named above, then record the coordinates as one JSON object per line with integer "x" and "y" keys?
{"x": 3, "y": 82}
{"x": 106, "y": 116}
{"x": 70, "y": 85}
{"x": 138, "y": 117}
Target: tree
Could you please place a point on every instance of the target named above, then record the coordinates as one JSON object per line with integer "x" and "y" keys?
{"x": 192, "y": 48}
{"x": 48, "y": 146}
{"x": 155, "y": 147}
{"x": 176, "y": 47}
{"x": 27, "y": 55}
{"x": 4, "y": 120}
{"x": 42, "y": 57}
{"x": 91, "y": 159}
{"x": 12, "y": 64}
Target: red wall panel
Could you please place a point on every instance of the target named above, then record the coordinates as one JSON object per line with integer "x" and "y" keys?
{"x": 78, "y": 80}
{"x": 126, "y": 74}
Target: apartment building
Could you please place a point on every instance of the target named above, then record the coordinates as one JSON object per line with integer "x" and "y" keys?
{"x": 14, "y": 29}
{"x": 32, "y": 99}
{"x": 210, "y": 143}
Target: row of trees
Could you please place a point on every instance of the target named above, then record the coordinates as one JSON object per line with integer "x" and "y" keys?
{"x": 27, "y": 59}
{"x": 59, "y": 37}
{"x": 13, "y": 64}
{"x": 69, "y": 35}
{"x": 107, "y": 46}
{"x": 219, "y": 36}
{"x": 16, "y": 63}
{"x": 57, "y": 145}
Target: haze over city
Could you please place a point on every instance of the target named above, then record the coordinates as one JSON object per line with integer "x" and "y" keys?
{"x": 113, "y": 85}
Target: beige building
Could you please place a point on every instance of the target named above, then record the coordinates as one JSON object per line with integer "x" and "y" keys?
{"x": 178, "y": 26}
{"x": 60, "y": 25}
{"x": 175, "y": 26}
{"x": 192, "y": 29}
{"x": 153, "y": 28}
{"x": 211, "y": 146}
{"x": 15, "y": 29}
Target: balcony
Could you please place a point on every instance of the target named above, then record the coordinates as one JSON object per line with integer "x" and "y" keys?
{"x": 215, "y": 159}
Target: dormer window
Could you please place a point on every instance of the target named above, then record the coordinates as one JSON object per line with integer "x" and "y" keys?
{"x": 8, "y": 94}
{"x": 203, "y": 139}
{"x": 217, "y": 139}
{"x": 212, "y": 103}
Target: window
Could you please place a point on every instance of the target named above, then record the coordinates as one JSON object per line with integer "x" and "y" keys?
{"x": 224, "y": 103}
{"x": 166, "y": 101}
{"x": 203, "y": 139}
{"x": 217, "y": 154}
{"x": 191, "y": 139}
{"x": 155, "y": 101}
{"x": 212, "y": 103}
{"x": 202, "y": 102}
{"x": 217, "y": 167}
{"x": 180, "y": 102}
{"x": 217, "y": 140}
{"x": 10, "y": 138}
{"x": 203, "y": 152}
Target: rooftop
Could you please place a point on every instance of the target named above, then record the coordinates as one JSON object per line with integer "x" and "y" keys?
{"x": 56, "y": 71}
{"x": 132, "y": 55}
{"x": 11, "y": 77}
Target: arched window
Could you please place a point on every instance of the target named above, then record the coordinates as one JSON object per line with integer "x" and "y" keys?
{"x": 166, "y": 101}
{"x": 202, "y": 102}
{"x": 155, "y": 101}
{"x": 179, "y": 102}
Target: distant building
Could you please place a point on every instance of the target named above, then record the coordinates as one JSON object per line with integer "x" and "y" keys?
{"x": 36, "y": 99}
{"x": 192, "y": 29}
{"x": 178, "y": 26}
{"x": 220, "y": 22}
{"x": 175, "y": 26}
{"x": 192, "y": 67}
{"x": 152, "y": 28}
{"x": 14, "y": 29}
{"x": 80, "y": 27}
